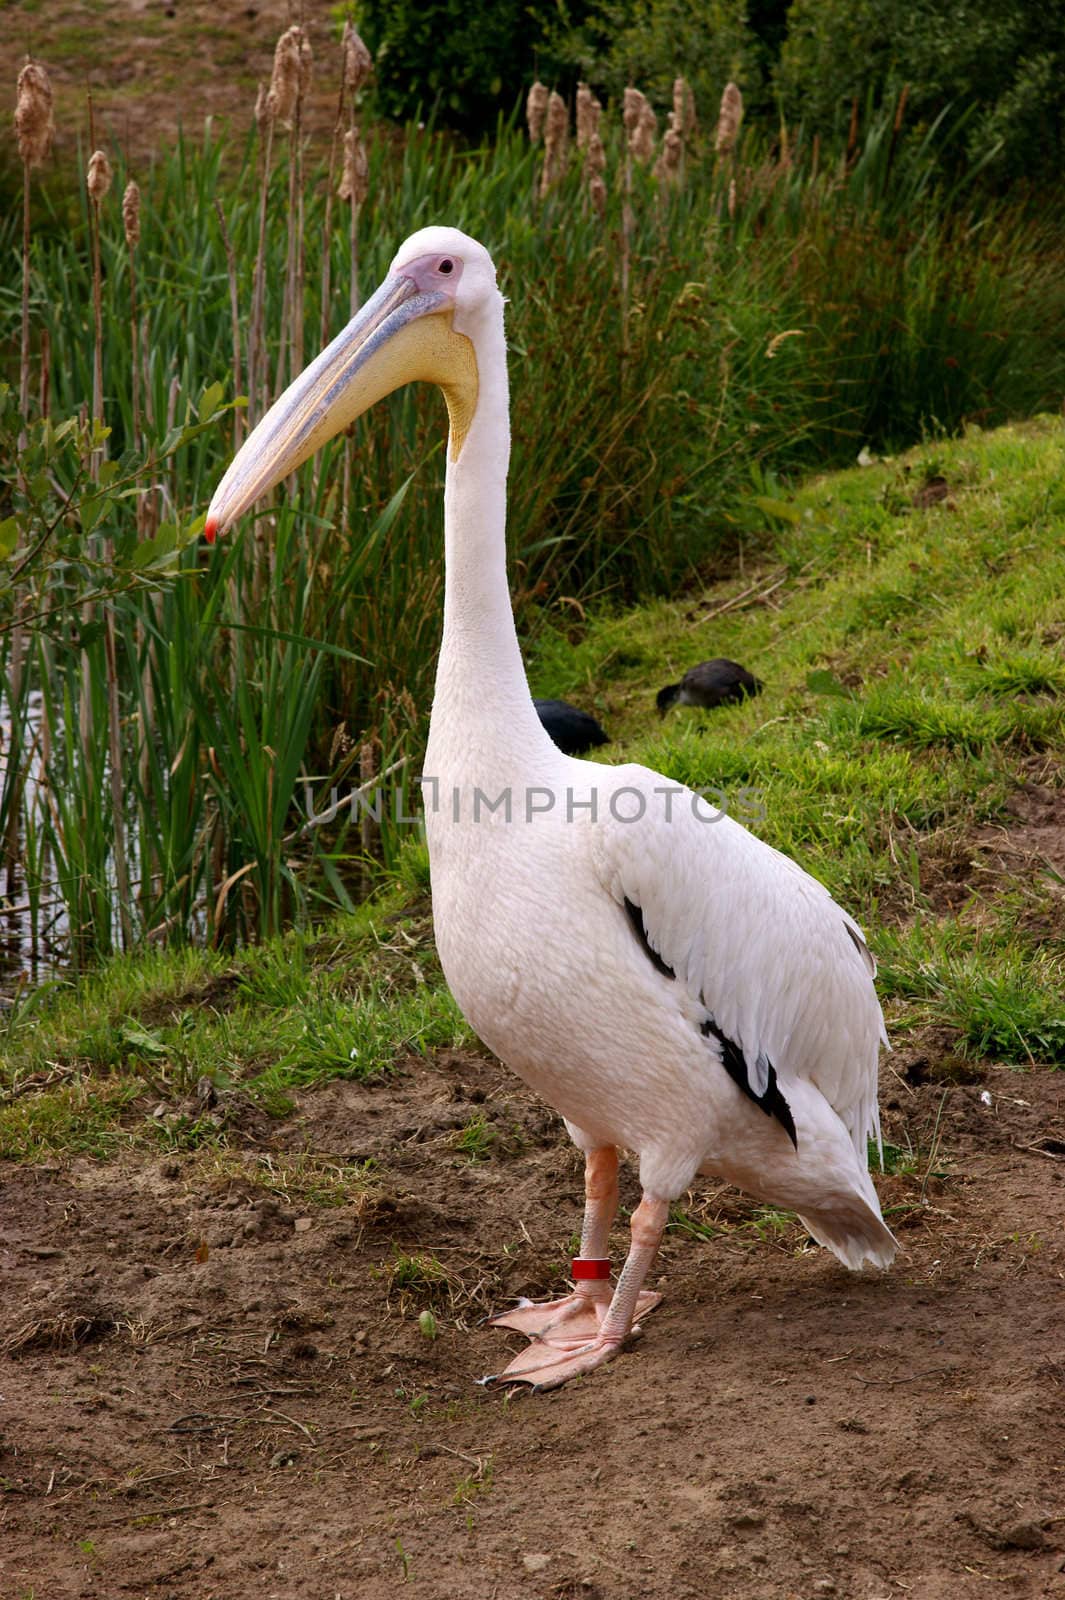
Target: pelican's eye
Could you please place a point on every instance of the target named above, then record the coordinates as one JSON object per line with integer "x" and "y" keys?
{"x": 447, "y": 265}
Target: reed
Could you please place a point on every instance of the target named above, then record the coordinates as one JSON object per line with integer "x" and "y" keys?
{"x": 34, "y": 132}
{"x": 645, "y": 430}
{"x": 556, "y": 144}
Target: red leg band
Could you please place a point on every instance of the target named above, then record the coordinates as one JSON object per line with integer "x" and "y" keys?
{"x": 589, "y": 1268}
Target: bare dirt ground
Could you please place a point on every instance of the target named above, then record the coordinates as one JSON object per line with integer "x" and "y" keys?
{"x": 214, "y": 1387}
{"x": 154, "y": 66}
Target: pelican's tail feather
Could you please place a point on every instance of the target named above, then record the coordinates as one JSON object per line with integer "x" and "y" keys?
{"x": 853, "y": 1231}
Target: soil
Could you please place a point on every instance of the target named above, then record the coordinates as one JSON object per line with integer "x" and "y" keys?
{"x": 216, "y": 1385}
{"x": 155, "y": 66}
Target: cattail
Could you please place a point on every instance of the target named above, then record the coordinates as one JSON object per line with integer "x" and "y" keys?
{"x": 594, "y": 158}
{"x": 588, "y": 113}
{"x": 98, "y": 182}
{"x": 34, "y": 129}
{"x": 640, "y": 124}
{"x": 99, "y": 177}
{"x": 131, "y": 214}
{"x": 34, "y": 126}
{"x": 643, "y": 140}
{"x": 355, "y": 178}
{"x": 536, "y": 111}
{"x": 684, "y": 119}
{"x": 131, "y": 224}
{"x": 594, "y": 167}
{"x": 358, "y": 62}
{"x": 257, "y": 359}
{"x": 291, "y": 75}
{"x": 556, "y": 139}
{"x": 667, "y": 169}
{"x": 729, "y": 119}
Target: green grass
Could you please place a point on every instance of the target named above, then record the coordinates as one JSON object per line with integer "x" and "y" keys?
{"x": 143, "y": 1030}
{"x": 885, "y": 739}
{"x": 936, "y": 632}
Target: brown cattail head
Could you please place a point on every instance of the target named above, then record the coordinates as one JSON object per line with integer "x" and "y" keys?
{"x": 642, "y": 138}
{"x": 556, "y": 139}
{"x": 33, "y": 114}
{"x": 588, "y": 113}
{"x": 597, "y": 194}
{"x": 131, "y": 214}
{"x": 684, "y": 119}
{"x": 99, "y": 176}
{"x": 667, "y": 167}
{"x": 536, "y": 111}
{"x": 729, "y": 119}
{"x": 355, "y": 179}
{"x": 630, "y": 110}
{"x": 290, "y": 77}
{"x": 358, "y": 62}
{"x": 594, "y": 157}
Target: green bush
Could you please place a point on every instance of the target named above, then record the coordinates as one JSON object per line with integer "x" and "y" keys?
{"x": 1001, "y": 68}
{"x": 462, "y": 64}
{"x": 708, "y": 41}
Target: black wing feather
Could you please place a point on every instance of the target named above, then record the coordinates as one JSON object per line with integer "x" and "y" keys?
{"x": 772, "y": 1102}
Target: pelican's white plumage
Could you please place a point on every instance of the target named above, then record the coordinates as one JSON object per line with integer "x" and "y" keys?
{"x": 669, "y": 983}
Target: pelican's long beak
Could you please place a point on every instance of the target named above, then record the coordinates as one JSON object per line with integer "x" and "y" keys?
{"x": 402, "y": 334}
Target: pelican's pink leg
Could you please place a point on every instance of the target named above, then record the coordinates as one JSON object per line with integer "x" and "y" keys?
{"x": 578, "y": 1315}
{"x": 550, "y": 1362}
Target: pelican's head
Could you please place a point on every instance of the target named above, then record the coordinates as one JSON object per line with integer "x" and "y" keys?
{"x": 421, "y": 324}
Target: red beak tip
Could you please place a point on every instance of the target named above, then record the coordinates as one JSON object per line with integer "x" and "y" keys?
{"x": 210, "y": 529}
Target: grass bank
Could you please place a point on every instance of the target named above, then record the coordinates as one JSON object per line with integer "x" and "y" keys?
{"x": 906, "y": 619}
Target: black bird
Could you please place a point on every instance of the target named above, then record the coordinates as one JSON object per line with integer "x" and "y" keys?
{"x": 710, "y": 684}
{"x": 572, "y": 730}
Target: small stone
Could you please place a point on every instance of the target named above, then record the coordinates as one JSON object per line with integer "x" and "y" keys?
{"x": 303, "y": 1224}
{"x": 824, "y": 1586}
{"x": 1023, "y": 1536}
{"x": 535, "y": 1563}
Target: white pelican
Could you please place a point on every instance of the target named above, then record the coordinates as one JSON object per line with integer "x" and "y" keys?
{"x": 672, "y": 985}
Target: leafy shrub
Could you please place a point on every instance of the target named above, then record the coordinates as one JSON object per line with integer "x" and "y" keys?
{"x": 463, "y": 64}
{"x": 1001, "y": 68}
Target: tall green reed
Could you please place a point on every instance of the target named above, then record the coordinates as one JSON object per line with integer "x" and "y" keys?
{"x": 832, "y": 303}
